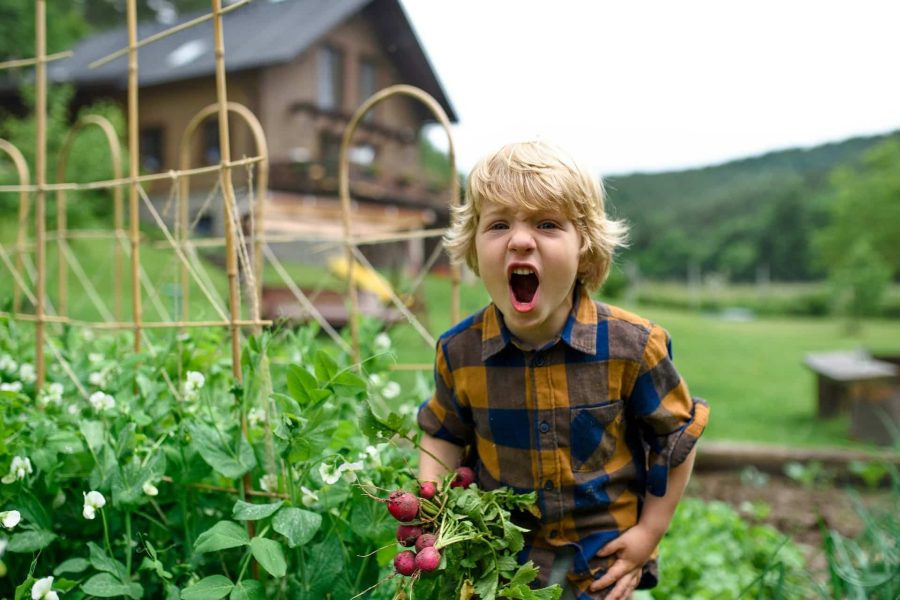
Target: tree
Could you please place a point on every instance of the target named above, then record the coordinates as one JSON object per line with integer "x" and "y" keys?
{"x": 865, "y": 207}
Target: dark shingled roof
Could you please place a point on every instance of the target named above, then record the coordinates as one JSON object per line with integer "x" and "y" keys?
{"x": 261, "y": 33}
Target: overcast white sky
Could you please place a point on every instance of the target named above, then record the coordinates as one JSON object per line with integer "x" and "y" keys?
{"x": 657, "y": 85}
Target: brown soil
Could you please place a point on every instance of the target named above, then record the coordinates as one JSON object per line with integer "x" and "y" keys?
{"x": 795, "y": 510}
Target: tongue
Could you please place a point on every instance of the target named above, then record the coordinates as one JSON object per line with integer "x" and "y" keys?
{"x": 523, "y": 287}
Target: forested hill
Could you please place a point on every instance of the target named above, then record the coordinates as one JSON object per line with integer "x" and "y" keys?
{"x": 734, "y": 217}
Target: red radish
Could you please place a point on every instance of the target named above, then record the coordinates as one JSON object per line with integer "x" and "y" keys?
{"x": 405, "y": 563}
{"x": 403, "y": 505}
{"x": 427, "y": 490}
{"x": 464, "y": 477}
{"x": 428, "y": 559}
{"x": 426, "y": 540}
{"x": 408, "y": 534}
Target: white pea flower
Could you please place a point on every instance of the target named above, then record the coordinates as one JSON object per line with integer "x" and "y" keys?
{"x": 150, "y": 489}
{"x": 15, "y": 386}
{"x": 391, "y": 390}
{"x": 72, "y": 409}
{"x": 309, "y": 497}
{"x": 382, "y": 342}
{"x": 408, "y": 409}
{"x": 372, "y": 454}
{"x": 102, "y": 401}
{"x": 52, "y": 394}
{"x": 7, "y": 364}
{"x": 87, "y": 335}
{"x": 10, "y": 518}
{"x": 93, "y": 500}
{"x": 27, "y": 373}
{"x": 95, "y": 357}
{"x": 375, "y": 379}
{"x": 329, "y": 473}
{"x": 255, "y": 416}
{"x": 194, "y": 380}
{"x": 18, "y": 469}
{"x": 349, "y": 470}
{"x": 96, "y": 378}
{"x": 269, "y": 482}
{"x": 42, "y": 590}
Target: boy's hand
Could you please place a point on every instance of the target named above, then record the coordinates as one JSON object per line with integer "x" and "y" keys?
{"x": 632, "y": 549}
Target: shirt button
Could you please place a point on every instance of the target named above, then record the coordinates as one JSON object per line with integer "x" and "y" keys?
{"x": 553, "y": 533}
{"x": 539, "y": 361}
{"x": 548, "y": 485}
{"x": 545, "y": 427}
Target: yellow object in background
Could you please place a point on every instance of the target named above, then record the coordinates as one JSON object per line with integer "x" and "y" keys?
{"x": 363, "y": 276}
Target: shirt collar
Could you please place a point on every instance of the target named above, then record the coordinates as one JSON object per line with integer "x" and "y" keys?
{"x": 579, "y": 332}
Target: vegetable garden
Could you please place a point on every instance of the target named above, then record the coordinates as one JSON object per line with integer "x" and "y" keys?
{"x": 244, "y": 459}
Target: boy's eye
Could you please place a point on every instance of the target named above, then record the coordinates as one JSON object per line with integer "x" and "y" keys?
{"x": 548, "y": 225}
{"x": 496, "y": 225}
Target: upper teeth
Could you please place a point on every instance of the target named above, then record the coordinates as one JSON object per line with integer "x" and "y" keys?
{"x": 522, "y": 271}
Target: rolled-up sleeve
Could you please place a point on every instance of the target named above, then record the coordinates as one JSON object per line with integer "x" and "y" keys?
{"x": 671, "y": 419}
{"x": 442, "y": 416}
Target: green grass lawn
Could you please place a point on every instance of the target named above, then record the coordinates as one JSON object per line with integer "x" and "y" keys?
{"x": 752, "y": 372}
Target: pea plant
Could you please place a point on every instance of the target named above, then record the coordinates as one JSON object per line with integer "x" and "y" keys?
{"x": 131, "y": 475}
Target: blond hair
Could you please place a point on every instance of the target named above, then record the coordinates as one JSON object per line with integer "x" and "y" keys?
{"x": 537, "y": 176}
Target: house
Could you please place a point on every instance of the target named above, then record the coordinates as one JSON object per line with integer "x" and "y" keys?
{"x": 302, "y": 67}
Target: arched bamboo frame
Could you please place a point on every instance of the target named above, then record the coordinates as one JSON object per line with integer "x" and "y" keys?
{"x": 344, "y": 190}
{"x": 115, "y": 150}
{"x": 24, "y": 179}
{"x": 262, "y": 184}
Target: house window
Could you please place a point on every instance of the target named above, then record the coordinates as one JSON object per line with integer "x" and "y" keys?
{"x": 211, "y": 152}
{"x": 151, "y": 149}
{"x": 367, "y": 85}
{"x": 331, "y": 78}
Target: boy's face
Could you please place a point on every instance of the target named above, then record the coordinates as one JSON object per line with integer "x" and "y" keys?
{"x": 529, "y": 263}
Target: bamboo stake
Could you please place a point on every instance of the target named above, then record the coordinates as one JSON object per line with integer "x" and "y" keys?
{"x": 227, "y": 190}
{"x": 22, "y": 169}
{"x": 133, "y": 156}
{"x": 28, "y": 62}
{"x": 40, "y": 178}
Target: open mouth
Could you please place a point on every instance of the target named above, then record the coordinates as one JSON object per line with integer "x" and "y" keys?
{"x": 523, "y": 284}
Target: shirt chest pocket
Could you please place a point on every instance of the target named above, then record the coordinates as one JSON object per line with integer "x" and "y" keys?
{"x": 593, "y": 433}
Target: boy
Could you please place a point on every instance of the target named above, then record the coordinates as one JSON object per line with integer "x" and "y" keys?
{"x": 554, "y": 392}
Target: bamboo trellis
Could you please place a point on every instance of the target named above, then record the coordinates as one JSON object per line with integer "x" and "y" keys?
{"x": 30, "y": 280}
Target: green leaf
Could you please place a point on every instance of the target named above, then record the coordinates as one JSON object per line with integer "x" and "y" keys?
{"x": 30, "y": 541}
{"x": 248, "y": 589}
{"x": 94, "y": 433}
{"x": 245, "y": 511}
{"x": 297, "y": 525}
{"x": 325, "y": 366}
{"x": 101, "y": 561}
{"x": 221, "y": 457}
{"x": 270, "y": 555}
{"x": 73, "y": 565}
{"x": 350, "y": 382}
{"x": 104, "y": 585}
{"x": 486, "y": 585}
{"x": 525, "y": 575}
{"x": 325, "y": 566}
{"x": 222, "y": 535}
{"x": 300, "y": 384}
{"x": 65, "y": 442}
{"x": 372, "y": 522}
{"x": 208, "y": 588}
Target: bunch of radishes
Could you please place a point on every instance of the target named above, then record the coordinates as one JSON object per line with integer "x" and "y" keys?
{"x": 417, "y": 516}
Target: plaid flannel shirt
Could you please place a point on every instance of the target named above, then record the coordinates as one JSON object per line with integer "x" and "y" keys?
{"x": 591, "y": 421}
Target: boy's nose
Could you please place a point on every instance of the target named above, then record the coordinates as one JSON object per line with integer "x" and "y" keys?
{"x": 521, "y": 240}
